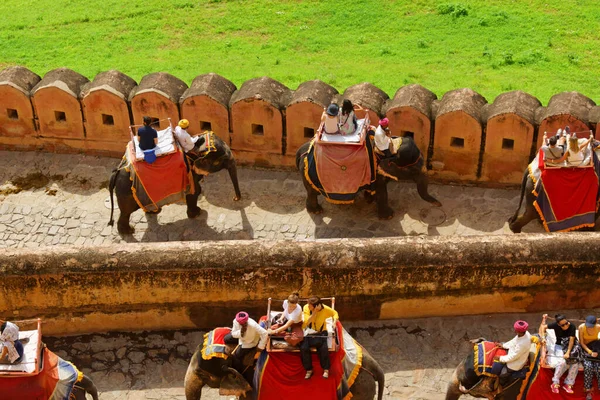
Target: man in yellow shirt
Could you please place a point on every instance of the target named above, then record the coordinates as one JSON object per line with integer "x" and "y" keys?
{"x": 315, "y": 316}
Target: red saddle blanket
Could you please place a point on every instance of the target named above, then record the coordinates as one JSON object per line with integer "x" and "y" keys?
{"x": 342, "y": 169}
{"x": 567, "y": 198}
{"x": 539, "y": 387}
{"x": 55, "y": 381}
{"x": 485, "y": 353}
{"x": 163, "y": 182}
{"x": 281, "y": 375}
{"x": 214, "y": 343}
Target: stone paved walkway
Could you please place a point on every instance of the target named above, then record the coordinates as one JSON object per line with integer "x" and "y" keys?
{"x": 417, "y": 355}
{"x": 64, "y": 202}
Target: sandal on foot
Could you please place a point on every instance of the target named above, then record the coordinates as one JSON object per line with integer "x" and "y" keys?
{"x": 308, "y": 374}
{"x": 568, "y": 388}
{"x": 326, "y": 374}
{"x": 555, "y": 388}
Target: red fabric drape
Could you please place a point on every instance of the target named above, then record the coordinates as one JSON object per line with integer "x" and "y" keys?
{"x": 283, "y": 378}
{"x": 166, "y": 177}
{"x": 37, "y": 387}
{"x": 342, "y": 168}
{"x": 540, "y": 388}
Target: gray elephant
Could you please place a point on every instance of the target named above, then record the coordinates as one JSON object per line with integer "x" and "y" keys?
{"x": 220, "y": 157}
{"x": 407, "y": 163}
{"x": 465, "y": 381}
{"x": 214, "y": 372}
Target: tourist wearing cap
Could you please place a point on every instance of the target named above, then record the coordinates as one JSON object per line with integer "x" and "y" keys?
{"x": 565, "y": 353}
{"x": 184, "y": 139}
{"x": 250, "y": 335}
{"x": 588, "y": 339}
{"x": 518, "y": 348}
{"x": 331, "y": 120}
{"x": 382, "y": 138}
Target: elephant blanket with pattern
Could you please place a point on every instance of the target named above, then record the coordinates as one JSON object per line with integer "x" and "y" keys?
{"x": 163, "y": 182}
{"x": 485, "y": 354}
{"x": 214, "y": 343}
{"x": 566, "y": 198}
{"x": 280, "y": 375}
{"x": 54, "y": 382}
{"x": 339, "y": 171}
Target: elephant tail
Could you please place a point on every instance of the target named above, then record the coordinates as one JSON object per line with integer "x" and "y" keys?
{"x": 87, "y": 384}
{"x": 111, "y": 188}
{"x": 523, "y": 184}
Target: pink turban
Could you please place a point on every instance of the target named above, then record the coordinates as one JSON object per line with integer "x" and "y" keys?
{"x": 521, "y": 326}
{"x": 384, "y": 122}
{"x": 242, "y": 317}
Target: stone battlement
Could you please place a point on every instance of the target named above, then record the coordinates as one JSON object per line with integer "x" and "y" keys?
{"x": 464, "y": 138}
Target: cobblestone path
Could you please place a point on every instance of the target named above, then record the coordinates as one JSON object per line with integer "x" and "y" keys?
{"x": 62, "y": 200}
{"x": 417, "y": 355}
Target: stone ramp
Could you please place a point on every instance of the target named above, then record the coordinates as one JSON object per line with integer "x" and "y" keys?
{"x": 62, "y": 201}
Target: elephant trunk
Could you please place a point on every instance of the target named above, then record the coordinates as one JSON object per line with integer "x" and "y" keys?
{"x": 111, "y": 188}
{"x": 87, "y": 384}
{"x": 453, "y": 392}
{"x": 374, "y": 369}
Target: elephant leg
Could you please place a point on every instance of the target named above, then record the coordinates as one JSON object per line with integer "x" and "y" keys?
{"x": 384, "y": 211}
{"x": 192, "y": 199}
{"x": 422, "y": 182}
{"x": 529, "y": 215}
{"x": 232, "y": 169}
{"x": 126, "y": 208}
{"x": 312, "y": 198}
{"x": 193, "y": 384}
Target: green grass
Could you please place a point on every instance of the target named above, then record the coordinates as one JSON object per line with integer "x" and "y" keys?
{"x": 492, "y": 46}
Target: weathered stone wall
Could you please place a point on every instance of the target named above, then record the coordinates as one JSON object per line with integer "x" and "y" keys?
{"x": 463, "y": 138}
{"x": 186, "y": 285}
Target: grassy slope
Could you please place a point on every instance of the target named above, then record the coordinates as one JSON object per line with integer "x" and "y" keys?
{"x": 539, "y": 46}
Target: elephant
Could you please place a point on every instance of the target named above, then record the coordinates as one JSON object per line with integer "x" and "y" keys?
{"x": 210, "y": 162}
{"x": 516, "y": 222}
{"x": 465, "y": 381}
{"x": 407, "y": 163}
{"x": 211, "y": 372}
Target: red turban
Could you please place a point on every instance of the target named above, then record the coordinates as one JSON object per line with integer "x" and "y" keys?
{"x": 521, "y": 326}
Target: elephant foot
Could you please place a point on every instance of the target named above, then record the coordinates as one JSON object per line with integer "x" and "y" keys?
{"x": 514, "y": 230}
{"x": 193, "y": 212}
{"x": 369, "y": 198}
{"x": 125, "y": 229}
{"x": 237, "y": 198}
{"x": 315, "y": 210}
{"x": 385, "y": 213}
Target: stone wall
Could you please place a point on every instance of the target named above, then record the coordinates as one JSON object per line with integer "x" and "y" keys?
{"x": 464, "y": 138}
{"x": 201, "y": 285}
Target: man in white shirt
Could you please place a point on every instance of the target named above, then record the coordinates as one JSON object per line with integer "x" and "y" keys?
{"x": 184, "y": 139}
{"x": 382, "y": 138}
{"x": 518, "y": 350}
{"x": 250, "y": 335}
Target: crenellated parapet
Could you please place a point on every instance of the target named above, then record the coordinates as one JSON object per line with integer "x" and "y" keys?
{"x": 463, "y": 138}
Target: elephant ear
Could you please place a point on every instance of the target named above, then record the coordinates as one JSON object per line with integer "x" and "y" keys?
{"x": 234, "y": 384}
